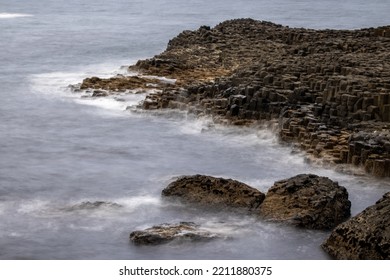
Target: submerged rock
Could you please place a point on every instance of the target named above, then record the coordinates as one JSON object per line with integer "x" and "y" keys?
{"x": 365, "y": 236}
{"x": 308, "y": 201}
{"x": 214, "y": 191}
{"x": 165, "y": 233}
{"x": 87, "y": 205}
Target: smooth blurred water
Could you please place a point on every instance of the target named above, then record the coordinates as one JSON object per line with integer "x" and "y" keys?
{"x": 58, "y": 150}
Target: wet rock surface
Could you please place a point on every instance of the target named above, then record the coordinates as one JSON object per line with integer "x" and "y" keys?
{"x": 212, "y": 191}
{"x": 307, "y": 201}
{"x": 123, "y": 83}
{"x": 161, "y": 234}
{"x": 324, "y": 87}
{"x": 88, "y": 205}
{"x": 365, "y": 236}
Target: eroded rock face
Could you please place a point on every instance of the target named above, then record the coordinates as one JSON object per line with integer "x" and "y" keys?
{"x": 365, "y": 236}
{"x": 165, "y": 233}
{"x": 213, "y": 191}
{"x": 308, "y": 201}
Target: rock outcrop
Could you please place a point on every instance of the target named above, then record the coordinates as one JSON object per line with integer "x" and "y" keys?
{"x": 365, "y": 236}
{"x": 211, "y": 191}
{"x": 122, "y": 83}
{"x": 165, "y": 233}
{"x": 307, "y": 201}
{"x": 323, "y": 86}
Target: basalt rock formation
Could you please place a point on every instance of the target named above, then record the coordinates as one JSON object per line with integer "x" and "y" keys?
{"x": 307, "y": 201}
{"x": 329, "y": 90}
{"x": 365, "y": 236}
{"x": 212, "y": 191}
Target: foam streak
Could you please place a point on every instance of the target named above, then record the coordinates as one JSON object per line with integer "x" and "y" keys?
{"x": 13, "y": 15}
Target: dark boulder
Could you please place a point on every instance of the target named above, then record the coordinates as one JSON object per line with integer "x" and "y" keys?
{"x": 365, "y": 236}
{"x": 165, "y": 233}
{"x": 213, "y": 191}
{"x": 308, "y": 201}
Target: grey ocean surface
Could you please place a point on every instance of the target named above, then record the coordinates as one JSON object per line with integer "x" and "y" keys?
{"x": 58, "y": 150}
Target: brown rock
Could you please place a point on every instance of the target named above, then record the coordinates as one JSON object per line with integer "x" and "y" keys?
{"x": 215, "y": 192}
{"x": 308, "y": 201}
{"x": 165, "y": 233}
{"x": 365, "y": 236}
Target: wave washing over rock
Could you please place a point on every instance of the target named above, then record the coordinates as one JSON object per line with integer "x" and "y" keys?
{"x": 307, "y": 201}
{"x": 328, "y": 91}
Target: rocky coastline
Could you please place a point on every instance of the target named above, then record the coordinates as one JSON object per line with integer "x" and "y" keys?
{"x": 328, "y": 91}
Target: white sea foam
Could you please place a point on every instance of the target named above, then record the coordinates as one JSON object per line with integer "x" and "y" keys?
{"x": 112, "y": 103}
{"x": 133, "y": 203}
{"x": 15, "y": 234}
{"x": 45, "y": 208}
{"x": 87, "y": 228}
{"x": 34, "y": 206}
{"x": 196, "y": 126}
{"x": 56, "y": 84}
{"x": 162, "y": 79}
{"x": 247, "y": 139}
{"x": 13, "y": 15}
{"x": 261, "y": 184}
{"x": 232, "y": 225}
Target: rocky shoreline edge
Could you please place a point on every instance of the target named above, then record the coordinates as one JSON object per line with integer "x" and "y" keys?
{"x": 327, "y": 90}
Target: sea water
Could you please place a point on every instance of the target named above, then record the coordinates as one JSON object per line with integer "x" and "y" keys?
{"x": 59, "y": 150}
